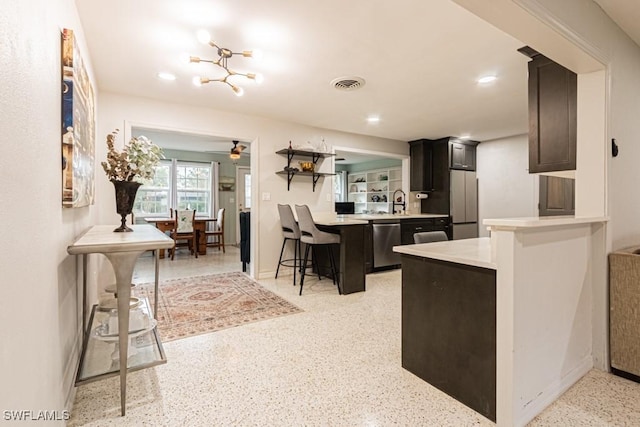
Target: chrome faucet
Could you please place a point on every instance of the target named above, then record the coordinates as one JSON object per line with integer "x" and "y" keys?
{"x": 396, "y": 203}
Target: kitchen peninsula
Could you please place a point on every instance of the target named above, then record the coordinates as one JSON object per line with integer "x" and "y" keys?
{"x": 348, "y": 254}
{"x": 449, "y": 319}
{"x": 511, "y": 314}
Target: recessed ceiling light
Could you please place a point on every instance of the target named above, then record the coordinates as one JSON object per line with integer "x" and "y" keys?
{"x": 487, "y": 79}
{"x": 373, "y": 119}
{"x": 464, "y": 137}
{"x": 166, "y": 76}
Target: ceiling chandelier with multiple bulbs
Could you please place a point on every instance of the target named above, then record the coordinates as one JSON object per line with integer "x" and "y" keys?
{"x": 223, "y": 56}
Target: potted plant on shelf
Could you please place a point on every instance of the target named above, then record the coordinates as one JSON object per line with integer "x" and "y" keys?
{"x": 128, "y": 169}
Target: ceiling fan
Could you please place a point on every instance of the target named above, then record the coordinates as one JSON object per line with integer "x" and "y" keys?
{"x": 236, "y": 150}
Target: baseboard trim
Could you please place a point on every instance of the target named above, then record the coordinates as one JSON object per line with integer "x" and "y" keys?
{"x": 266, "y": 274}
{"x": 69, "y": 377}
{"x": 554, "y": 391}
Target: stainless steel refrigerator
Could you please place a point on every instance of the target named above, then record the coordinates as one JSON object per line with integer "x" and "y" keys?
{"x": 464, "y": 204}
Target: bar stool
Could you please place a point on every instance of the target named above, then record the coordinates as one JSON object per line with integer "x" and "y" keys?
{"x": 290, "y": 231}
{"x": 429, "y": 236}
{"x": 311, "y": 236}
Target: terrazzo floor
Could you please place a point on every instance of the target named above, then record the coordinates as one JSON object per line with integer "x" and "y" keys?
{"x": 335, "y": 364}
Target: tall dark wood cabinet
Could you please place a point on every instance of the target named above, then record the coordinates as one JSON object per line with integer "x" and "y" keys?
{"x": 431, "y": 159}
{"x": 433, "y": 162}
{"x": 421, "y": 177}
{"x": 552, "y": 115}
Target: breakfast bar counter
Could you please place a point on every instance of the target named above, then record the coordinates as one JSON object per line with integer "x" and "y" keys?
{"x": 349, "y": 253}
{"x": 449, "y": 319}
{"x": 475, "y": 252}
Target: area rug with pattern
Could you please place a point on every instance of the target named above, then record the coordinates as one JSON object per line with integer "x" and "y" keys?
{"x": 197, "y": 305}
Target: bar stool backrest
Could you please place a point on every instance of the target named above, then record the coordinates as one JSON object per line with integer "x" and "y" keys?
{"x": 308, "y": 230}
{"x": 290, "y": 229}
{"x": 430, "y": 236}
{"x": 305, "y": 221}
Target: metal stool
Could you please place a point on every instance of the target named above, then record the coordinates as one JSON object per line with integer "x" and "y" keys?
{"x": 290, "y": 231}
{"x": 313, "y": 237}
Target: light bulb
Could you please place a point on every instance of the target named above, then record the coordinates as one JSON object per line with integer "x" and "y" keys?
{"x": 204, "y": 37}
{"x": 258, "y": 78}
{"x": 197, "y": 81}
{"x": 238, "y": 90}
{"x": 257, "y": 54}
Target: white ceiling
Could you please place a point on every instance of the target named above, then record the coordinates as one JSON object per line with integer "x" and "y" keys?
{"x": 420, "y": 60}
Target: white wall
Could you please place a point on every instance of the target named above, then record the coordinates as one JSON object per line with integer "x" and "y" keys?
{"x": 268, "y": 136}
{"x": 563, "y": 34}
{"x": 505, "y": 187}
{"x": 39, "y": 309}
{"x": 579, "y": 35}
{"x": 544, "y": 316}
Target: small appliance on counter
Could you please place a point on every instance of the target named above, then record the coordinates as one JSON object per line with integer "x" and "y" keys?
{"x": 343, "y": 208}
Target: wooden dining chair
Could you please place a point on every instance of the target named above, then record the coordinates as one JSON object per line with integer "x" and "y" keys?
{"x": 184, "y": 230}
{"x": 217, "y": 232}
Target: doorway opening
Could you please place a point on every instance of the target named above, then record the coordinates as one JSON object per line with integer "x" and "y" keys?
{"x": 367, "y": 180}
{"x": 199, "y": 174}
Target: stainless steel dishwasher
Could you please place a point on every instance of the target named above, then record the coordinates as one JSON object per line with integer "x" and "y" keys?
{"x": 385, "y": 237}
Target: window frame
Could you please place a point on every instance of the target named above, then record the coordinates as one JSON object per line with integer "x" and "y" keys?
{"x": 173, "y": 190}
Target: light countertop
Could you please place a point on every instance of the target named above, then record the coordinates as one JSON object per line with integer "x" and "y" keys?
{"x": 539, "y": 222}
{"x": 102, "y": 238}
{"x": 373, "y": 217}
{"x": 476, "y": 252}
{"x": 330, "y": 218}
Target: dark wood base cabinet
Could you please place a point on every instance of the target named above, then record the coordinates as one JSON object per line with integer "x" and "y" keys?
{"x": 349, "y": 256}
{"x": 449, "y": 329}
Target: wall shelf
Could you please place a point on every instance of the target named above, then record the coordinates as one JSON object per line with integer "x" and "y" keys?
{"x": 315, "y": 156}
{"x": 367, "y": 186}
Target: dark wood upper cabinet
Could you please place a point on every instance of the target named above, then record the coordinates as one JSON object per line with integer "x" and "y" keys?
{"x": 462, "y": 156}
{"x": 431, "y": 160}
{"x": 552, "y": 116}
{"x": 421, "y": 172}
{"x": 557, "y": 196}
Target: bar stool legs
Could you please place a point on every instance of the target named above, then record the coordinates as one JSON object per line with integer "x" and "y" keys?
{"x": 332, "y": 262}
{"x": 297, "y": 254}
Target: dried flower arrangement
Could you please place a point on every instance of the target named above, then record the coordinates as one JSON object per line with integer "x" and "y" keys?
{"x": 137, "y": 160}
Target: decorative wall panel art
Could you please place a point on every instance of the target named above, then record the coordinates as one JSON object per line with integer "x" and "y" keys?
{"x": 78, "y": 127}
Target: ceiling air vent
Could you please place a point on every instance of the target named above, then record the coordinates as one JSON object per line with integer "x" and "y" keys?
{"x": 348, "y": 83}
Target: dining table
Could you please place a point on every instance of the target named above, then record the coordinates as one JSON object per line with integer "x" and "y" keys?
{"x": 165, "y": 224}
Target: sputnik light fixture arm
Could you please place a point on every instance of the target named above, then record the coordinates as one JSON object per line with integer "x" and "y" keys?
{"x": 223, "y": 56}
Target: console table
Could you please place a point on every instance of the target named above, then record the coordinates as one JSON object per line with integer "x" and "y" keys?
{"x": 122, "y": 250}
